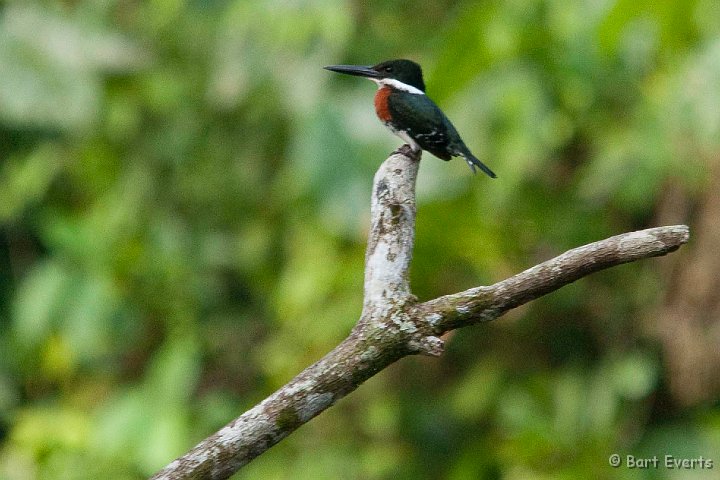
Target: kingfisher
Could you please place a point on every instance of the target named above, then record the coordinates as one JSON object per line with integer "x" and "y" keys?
{"x": 401, "y": 104}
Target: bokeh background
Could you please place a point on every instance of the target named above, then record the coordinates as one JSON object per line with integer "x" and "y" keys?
{"x": 184, "y": 198}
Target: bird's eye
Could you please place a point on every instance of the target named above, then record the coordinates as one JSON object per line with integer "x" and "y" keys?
{"x": 388, "y": 69}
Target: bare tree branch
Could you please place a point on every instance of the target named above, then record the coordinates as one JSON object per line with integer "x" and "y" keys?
{"x": 392, "y": 231}
{"x": 487, "y": 303}
{"x": 393, "y": 325}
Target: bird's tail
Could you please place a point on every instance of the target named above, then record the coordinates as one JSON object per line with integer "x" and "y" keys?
{"x": 473, "y": 162}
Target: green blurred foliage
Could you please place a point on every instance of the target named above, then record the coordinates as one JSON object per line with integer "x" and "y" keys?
{"x": 184, "y": 199}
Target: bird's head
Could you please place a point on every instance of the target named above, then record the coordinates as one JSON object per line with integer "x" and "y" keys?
{"x": 406, "y": 72}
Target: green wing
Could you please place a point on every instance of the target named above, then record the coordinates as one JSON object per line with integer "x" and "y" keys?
{"x": 425, "y": 123}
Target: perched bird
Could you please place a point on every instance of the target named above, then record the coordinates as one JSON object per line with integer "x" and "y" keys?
{"x": 401, "y": 104}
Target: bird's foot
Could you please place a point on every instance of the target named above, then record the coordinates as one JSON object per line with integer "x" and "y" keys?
{"x": 408, "y": 151}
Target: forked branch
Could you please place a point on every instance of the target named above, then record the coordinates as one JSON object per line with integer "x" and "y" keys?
{"x": 393, "y": 324}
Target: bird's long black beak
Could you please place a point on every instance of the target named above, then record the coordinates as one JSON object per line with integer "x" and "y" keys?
{"x": 357, "y": 70}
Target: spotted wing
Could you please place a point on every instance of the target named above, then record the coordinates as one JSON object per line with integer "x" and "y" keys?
{"x": 424, "y": 122}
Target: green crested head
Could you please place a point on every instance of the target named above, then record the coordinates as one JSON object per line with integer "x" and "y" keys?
{"x": 405, "y": 72}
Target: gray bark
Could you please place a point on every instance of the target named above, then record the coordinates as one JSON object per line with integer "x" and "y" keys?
{"x": 393, "y": 324}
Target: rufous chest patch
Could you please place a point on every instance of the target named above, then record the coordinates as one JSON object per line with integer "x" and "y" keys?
{"x": 381, "y": 104}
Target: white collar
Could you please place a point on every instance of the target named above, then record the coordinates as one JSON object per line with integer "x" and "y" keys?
{"x": 391, "y": 82}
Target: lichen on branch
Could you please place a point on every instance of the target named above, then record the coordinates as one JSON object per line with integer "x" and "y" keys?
{"x": 393, "y": 324}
